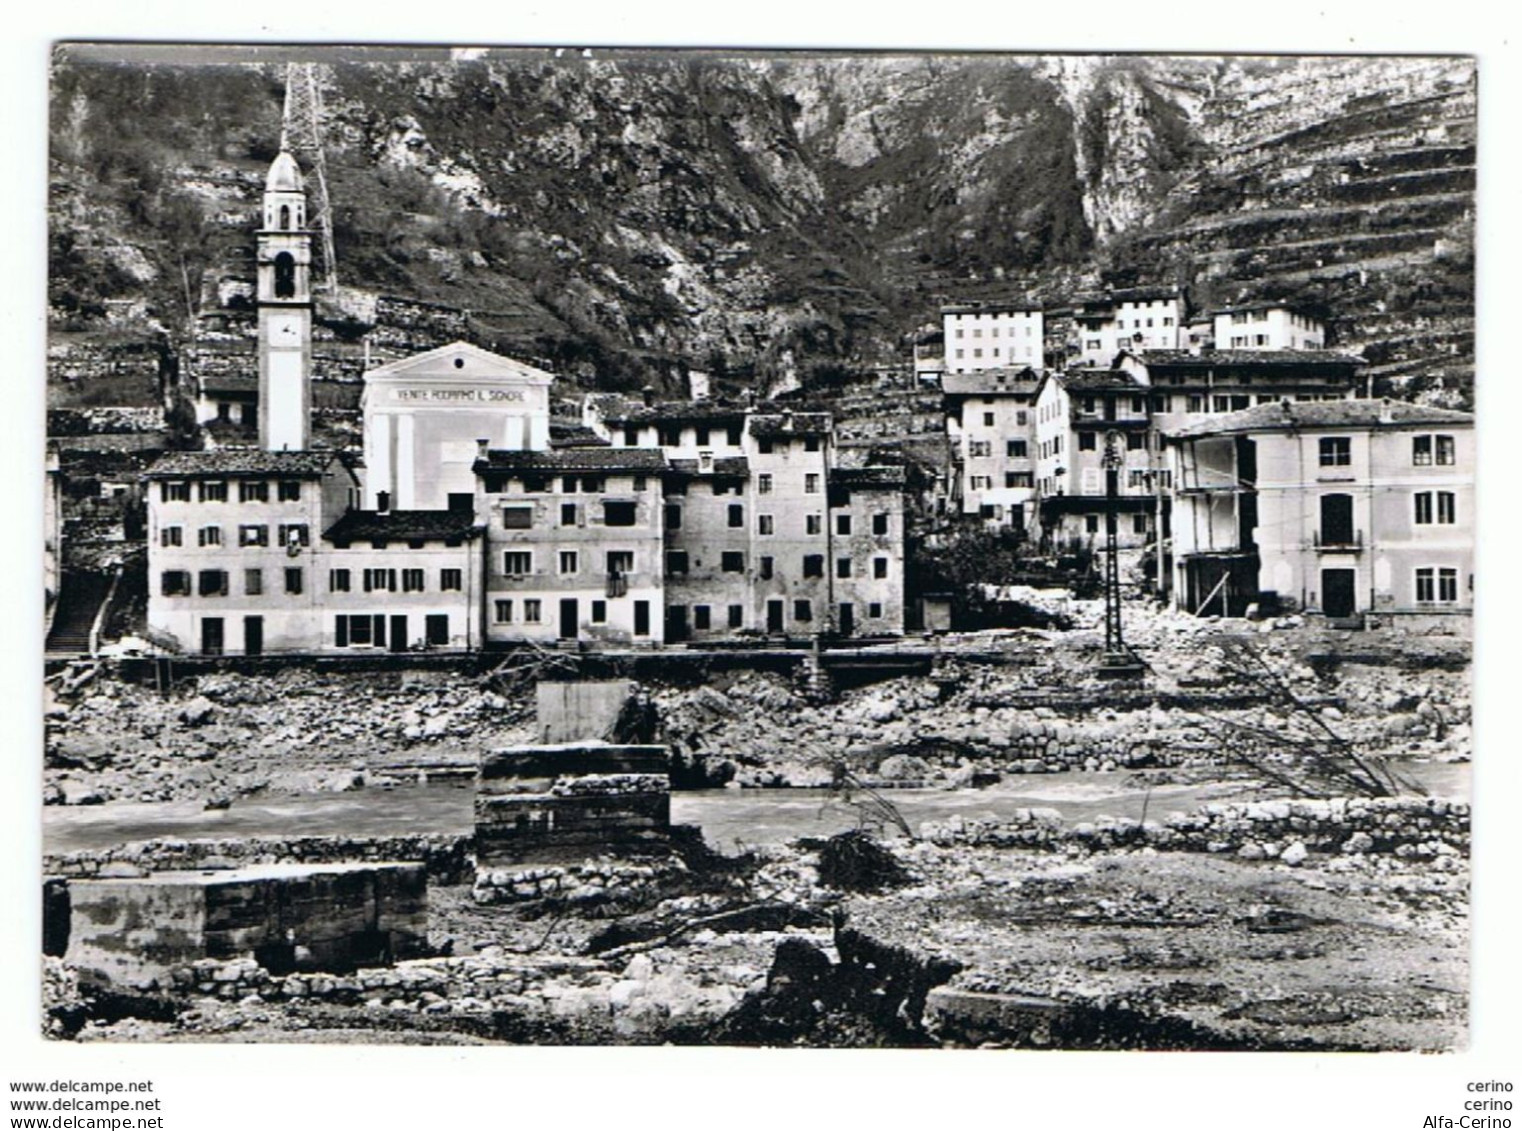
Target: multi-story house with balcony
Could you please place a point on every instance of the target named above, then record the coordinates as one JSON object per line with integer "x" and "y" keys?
{"x": 1079, "y": 416}
{"x": 992, "y": 335}
{"x": 765, "y": 533}
{"x": 573, "y": 544}
{"x": 1347, "y": 508}
{"x": 990, "y": 419}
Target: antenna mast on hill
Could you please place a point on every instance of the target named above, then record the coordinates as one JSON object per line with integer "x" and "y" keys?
{"x": 301, "y": 136}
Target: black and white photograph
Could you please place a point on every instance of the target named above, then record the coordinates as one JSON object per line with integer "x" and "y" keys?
{"x": 962, "y": 552}
{"x": 821, "y": 549}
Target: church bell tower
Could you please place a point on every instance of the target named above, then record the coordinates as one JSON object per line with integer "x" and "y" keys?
{"x": 285, "y": 311}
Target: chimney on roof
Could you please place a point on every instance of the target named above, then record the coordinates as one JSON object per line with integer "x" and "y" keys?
{"x": 648, "y": 393}
{"x": 1386, "y": 411}
{"x": 787, "y": 420}
{"x": 382, "y": 501}
{"x": 705, "y": 461}
{"x": 481, "y": 445}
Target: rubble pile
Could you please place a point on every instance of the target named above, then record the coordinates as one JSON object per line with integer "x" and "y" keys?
{"x": 969, "y": 720}
{"x": 227, "y": 735}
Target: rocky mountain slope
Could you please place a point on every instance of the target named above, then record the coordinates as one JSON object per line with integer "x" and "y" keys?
{"x": 630, "y": 214}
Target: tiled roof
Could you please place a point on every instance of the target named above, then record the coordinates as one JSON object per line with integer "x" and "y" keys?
{"x": 771, "y": 426}
{"x": 1216, "y": 359}
{"x": 1007, "y": 380}
{"x": 1244, "y": 307}
{"x": 991, "y": 307}
{"x": 670, "y": 412}
{"x": 574, "y": 436}
{"x": 574, "y": 459}
{"x": 1127, "y": 294}
{"x": 1099, "y": 379}
{"x": 1286, "y": 415}
{"x": 402, "y": 526}
{"x": 244, "y": 464}
{"x": 722, "y": 466}
{"x": 863, "y": 478}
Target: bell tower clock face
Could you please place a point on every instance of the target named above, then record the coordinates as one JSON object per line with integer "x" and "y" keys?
{"x": 285, "y": 330}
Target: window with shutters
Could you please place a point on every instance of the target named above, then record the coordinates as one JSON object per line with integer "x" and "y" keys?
{"x": 383, "y": 580}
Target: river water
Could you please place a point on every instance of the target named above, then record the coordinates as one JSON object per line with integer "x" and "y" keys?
{"x": 730, "y": 818}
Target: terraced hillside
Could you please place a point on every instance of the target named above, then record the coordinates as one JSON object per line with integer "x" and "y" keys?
{"x": 626, "y": 216}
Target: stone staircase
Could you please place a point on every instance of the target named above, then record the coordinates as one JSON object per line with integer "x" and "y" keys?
{"x": 78, "y": 603}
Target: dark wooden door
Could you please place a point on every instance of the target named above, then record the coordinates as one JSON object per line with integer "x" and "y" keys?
{"x": 569, "y": 615}
{"x": 211, "y": 636}
{"x": 253, "y": 636}
{"x": 1338, "y": 597}
{"x": 847, "y": 619}
{"x": 398, "y": 633}
{"x": 774, "y": 616}
{"x": 676, "y": 622}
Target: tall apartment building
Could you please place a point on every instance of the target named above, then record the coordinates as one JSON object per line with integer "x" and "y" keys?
{"x": 765, "y": 532}
{"x": 990, "y": 423}
{"x": 982, "y": 336}
{"x": 1346, "y": 508}
{"x": 1078, "y": 416}
{"x": 573, "y": 544}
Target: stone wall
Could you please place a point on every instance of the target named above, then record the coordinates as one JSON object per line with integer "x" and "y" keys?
{"x": 590, "y": 883}
{"x": 562, "y": 804}
{"x": 445, "y": 857}
{"x": 1426, "y": 829}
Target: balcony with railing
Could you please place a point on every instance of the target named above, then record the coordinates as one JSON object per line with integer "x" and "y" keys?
{"x": 1337, "y": 542}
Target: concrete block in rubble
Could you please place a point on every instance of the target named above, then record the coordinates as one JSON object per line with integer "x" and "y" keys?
{"x": 572, "y": 711}
{"x": 568, "y": 802}
{"x": 132, "y": 933}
